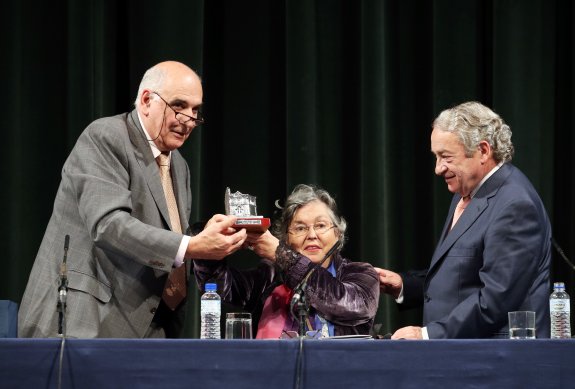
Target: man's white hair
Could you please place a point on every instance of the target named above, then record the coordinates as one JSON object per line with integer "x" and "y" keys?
{"x": 153, "y": 79}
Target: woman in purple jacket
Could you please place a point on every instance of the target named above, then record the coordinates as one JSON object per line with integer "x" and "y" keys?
{"x": 342, "y": 295}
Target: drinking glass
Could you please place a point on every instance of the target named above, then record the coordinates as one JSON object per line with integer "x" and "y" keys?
{"x": 238, "y": 325}
{"x": 521, "y": 325}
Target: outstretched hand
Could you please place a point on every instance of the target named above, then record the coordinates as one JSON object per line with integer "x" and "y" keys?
{"x": 218, "y": 239}
{"x": 389, "y": 282}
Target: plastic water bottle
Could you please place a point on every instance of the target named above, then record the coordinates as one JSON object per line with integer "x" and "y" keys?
{"x": 211, "y": 308}
{"x": 560, "y": 310}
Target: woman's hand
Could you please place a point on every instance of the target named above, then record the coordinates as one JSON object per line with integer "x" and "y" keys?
{"x": 263, "y": 244}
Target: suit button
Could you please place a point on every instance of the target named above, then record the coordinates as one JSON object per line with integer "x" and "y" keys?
{"x": 153, "y": 311}
{"x": 427, "y": 298}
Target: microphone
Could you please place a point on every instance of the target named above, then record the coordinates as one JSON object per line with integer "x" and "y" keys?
{"x": 63, "y": 287}
{"x": 300, "y": 288}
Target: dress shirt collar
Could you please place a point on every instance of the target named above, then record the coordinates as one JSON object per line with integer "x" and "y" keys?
{"x": 491, "y": 172}
{"x": 155, "y": 150}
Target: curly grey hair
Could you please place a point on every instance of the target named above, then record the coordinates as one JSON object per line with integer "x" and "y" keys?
{"x": 302, "y": 195}
{"x": 473, "y": 122}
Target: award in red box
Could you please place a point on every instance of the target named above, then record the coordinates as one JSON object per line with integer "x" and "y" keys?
{"x": 243, "y": 206}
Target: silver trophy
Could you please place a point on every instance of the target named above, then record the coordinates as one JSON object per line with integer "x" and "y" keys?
{"x": 243, "y": 206}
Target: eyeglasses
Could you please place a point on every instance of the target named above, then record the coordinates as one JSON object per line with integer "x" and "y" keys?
{"x": 182, "y": 117}
{"x": 320, "y": 228}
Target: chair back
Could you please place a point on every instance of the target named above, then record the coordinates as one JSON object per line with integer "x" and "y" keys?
{"x": 8, "y": 319}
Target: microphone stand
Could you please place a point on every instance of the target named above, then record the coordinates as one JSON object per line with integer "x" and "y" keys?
{"x": 61, "y": 307}
{"x": 302, "y": 313}
{"x": 63, "y": 291}
{"x": 299, "y": 301}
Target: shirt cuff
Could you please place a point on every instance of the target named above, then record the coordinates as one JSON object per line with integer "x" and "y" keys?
{"x": 424, "y": 334}
{"x": 182, "y": 251}
{"x": 399, "y": 298}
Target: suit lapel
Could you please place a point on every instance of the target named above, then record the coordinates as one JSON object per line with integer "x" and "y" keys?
{"x": 179, "y": 175}
{"x": 476, "y": 207}
{"x": 469, "y": 216}
{"x": 148, "y": 164}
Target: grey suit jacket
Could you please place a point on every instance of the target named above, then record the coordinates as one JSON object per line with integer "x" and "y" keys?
{"x": 111, "y": 203}
{"x": 496, "y": 259}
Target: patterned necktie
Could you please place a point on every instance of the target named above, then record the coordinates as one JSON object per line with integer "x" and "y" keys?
{"x": 460, "y": 208}
{"x": 175, "y": 289}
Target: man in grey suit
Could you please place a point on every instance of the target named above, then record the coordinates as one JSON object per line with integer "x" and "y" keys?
{"x": 495, "y": 250}
{"x": 125, "y": 238}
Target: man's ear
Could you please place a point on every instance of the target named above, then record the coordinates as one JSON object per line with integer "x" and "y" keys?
{"x": 147, "y": 96}
{"x": 485, "y": 150}
{"x": 145, "y": 101}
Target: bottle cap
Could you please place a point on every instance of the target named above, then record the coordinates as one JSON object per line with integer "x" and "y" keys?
{"x": 211, "y": 287}
{"x": 559, "y": 285}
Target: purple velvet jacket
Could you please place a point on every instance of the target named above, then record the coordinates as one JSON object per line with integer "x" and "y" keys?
{"x": 349, "y": 300}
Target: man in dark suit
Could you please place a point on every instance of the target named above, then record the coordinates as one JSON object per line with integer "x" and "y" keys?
{"x": 125, "y": 200}
{"x": 494, "y": 253}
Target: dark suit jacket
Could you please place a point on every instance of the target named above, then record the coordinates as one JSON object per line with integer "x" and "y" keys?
{"x": 495, "y": 260}
{"x": 111, "y": 203}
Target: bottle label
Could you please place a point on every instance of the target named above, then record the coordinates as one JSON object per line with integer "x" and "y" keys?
{"x": 560, "y": 305}
{"x": 212, "y": 306}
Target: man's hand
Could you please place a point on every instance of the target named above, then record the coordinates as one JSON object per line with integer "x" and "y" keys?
{"x": 408, "y": 333}
{"x": 389, "y": 282}
{"x": 217, "y": 240}
{"x": 263, "y": 244}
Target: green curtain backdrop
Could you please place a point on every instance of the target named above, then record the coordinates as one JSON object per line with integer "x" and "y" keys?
{"x": 337, "y": 93}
